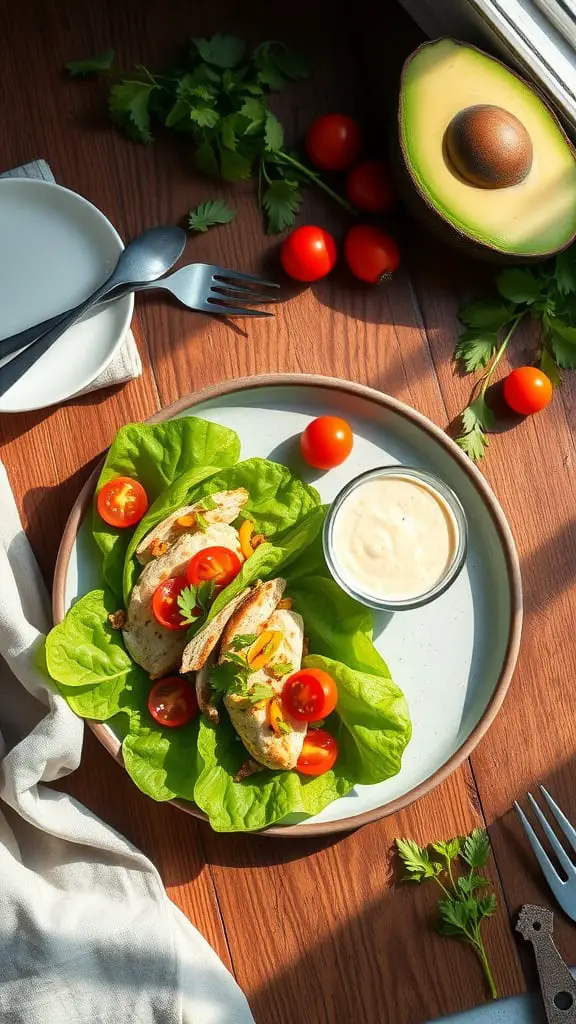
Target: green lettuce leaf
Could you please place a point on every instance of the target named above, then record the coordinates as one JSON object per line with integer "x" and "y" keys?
{"x": 155, "y": 455}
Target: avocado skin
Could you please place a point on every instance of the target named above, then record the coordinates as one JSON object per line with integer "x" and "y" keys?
{"x": 427, "y": 214}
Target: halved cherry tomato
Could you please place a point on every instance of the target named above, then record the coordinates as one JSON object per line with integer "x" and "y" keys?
{"x": 333, "y": 142}
{"x": 371, "y": 254}
{"x": 368, "y": 187}
{"x": 217, "y": 563}
{"x": 122, "y": 502}
{"x": 326, "y": 442}
{"x": 527, "y": 390}
{"x": 165, "y": 602}
{"x": 308, "y": 253}
{"x": 172, "y": 702}
{"x": 309, "y": 695}
{"x": 319, "y": 753}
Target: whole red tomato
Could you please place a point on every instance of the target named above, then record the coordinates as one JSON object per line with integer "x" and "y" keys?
{"x": 370, "y": 253}
{"x": 308, "y": 253}
{"x": 368, "y": 187}
{"x": 326, "y": 442}
{"x": 333, "y": 142}
{"x": 527, "y": 390}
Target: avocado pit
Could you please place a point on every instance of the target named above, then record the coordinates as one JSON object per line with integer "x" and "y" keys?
{"x": 489, "y": 147}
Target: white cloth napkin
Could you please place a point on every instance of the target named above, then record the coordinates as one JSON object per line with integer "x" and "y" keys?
{"x": 87, "y": 932}
{"x": 126, "y": 364}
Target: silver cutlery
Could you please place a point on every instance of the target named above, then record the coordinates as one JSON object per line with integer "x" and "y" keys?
{"x": 563, "y": 889}
{"x": 203, "y": 287}
{"x": 144, "y": 259}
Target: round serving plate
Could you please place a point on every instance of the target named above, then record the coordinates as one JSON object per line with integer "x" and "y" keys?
{"x": 56, "y": 248}
{"x": 453, "y": 658}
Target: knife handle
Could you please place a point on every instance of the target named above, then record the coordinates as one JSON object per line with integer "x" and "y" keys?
{"x": 557, "y": 985}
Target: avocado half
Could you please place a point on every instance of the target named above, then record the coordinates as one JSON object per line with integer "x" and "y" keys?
{"x": 483, "y": 156}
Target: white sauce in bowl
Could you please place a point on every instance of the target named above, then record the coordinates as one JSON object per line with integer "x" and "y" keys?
{"x": 394, "y": 537}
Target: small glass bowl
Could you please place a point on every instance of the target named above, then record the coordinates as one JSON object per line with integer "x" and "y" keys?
{"x": 453, "y": 570}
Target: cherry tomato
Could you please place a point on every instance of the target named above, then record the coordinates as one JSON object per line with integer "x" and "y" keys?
{"x": 122, "y": 502}
{"x": 319, "y": 753}
{"x": 370, "y": 253}
{"x": 333, "y": 142}
{"x": 172, "y": 702}
{"x": 217, "y": 563}
{"x": 368, "y": 187}
{"x": 165, "y": 602}
{"x": 326, "y": 442}
{"x": 308, "y": 253}
{"x": 527, "y": 390}
{"x": 309, "y": 695}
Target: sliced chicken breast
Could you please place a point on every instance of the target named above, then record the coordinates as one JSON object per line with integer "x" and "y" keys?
{"x": 252, "y": 614}
{"x": 157, "y": 649}
{"x": 229, "y": 504}
{"x": 252, "y": 722}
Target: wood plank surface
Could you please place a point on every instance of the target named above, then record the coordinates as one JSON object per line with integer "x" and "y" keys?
{"x": 316, "y": 930}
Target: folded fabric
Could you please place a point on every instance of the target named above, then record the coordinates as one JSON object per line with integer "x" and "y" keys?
{"x": 126, "y": 364}
{"x": 88, "y": 933}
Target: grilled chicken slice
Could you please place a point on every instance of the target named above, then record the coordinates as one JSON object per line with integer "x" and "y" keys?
{"x": 251, "y": 721}
{"x": 155, "y": 648}
{"x": 229, "y": 504}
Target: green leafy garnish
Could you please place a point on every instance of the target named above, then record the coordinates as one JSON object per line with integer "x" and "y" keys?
{"x": 206, "y": 215}
{"x": 200, "y": 521}
{"x": 91, "y": 66}
{"x": 547, "y": 294}
{"x": 243, "y": 640}
{"x": 218, "y": 99}
{"x": 232, "y": 676}
{"x": 208, "y": 504}
{"x": 194, "y": 602}
{"x": 282, "y": 669}
{"x": 460, "y": 911}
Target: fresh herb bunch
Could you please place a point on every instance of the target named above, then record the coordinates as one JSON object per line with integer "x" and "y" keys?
{"x": 547, "y": 293}
{"x": 218, "y": 98}
{"x": 461, "y": 908}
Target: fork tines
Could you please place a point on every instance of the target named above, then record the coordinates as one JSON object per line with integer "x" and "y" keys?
{"x": 563, "y": 889}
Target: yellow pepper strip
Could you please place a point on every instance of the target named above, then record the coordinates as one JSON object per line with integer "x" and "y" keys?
{"x": 245, "y": 533}
{"x": 264, "y": 648}
{"x": 275, "y": 717}
{"x": 188, "y": 520}
{"x": 287, "y": 603}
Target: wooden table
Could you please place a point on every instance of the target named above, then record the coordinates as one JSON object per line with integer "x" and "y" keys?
{"x": 318, "y": 930}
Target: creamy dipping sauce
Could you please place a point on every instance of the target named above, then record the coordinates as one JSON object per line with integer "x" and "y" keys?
{"x": 394, "y": 537}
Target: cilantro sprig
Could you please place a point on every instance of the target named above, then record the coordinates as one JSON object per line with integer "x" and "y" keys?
{"x": 464, "y": 904}
{"x": 218, "y": 100}
{"x": 194, "y": 602}
{"x": 232, "y": 676}
{"x": 547, "y": 294}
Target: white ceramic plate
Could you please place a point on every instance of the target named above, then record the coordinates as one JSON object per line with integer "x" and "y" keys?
{"x": 452, "y": 658}
{"x": 55, "y": 249}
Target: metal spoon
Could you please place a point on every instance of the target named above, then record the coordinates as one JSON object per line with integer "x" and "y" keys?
{"x": 146, "y": 258}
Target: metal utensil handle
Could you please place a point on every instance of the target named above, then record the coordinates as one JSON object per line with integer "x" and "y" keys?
{"x": 18, "y": 366}
{"x": 17, "y": 341}
{"x": 557, "y": 985}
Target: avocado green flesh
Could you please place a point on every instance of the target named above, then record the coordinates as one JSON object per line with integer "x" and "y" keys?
{"x": 533, "y": 218}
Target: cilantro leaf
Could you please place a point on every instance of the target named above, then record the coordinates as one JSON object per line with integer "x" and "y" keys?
{"x": 519, "y": 285}
{"x": 206, "y": 160}
{"x": 562, "y": 341}
{"x": 222, "y": 677}
{"x": 273, "y": 133}
{"x": 243, "y": 640}
{"x": 282, "y": 669}
{"x": 129, "y": 105}
{"x": 234, "y": 166}
{"x": 206, "y": 215}
{"x": 188, "y": 605}
{"x": 416, "y": 860}
{"x": 276, "y": 65}
{"x": 203, "y": 113}
{"x": 281, "y": 201}
{"x": 255, "y": 113}
{"x": 455, "y": 917}
{"x": 468, "y": 884}
{"x": 255, "y": 693}
{"x": 550, "y": 367}
{"x": 283, "y": 726}
{"x": 90, "y": 66}
{"x": 487, "y": 906}
{"x": 476, "y": 349}
{"x": 476, "y": 420}
{"x": 231, "y": 676}
{"x": 221, "y": 51}
{"x": 476, "y": 848}
{"x": 487, "y": 314}
{"x": 208, "y": 504}
{"x": 200, "y": 522}
{"x": 565, "y": 271}
{"x": 449, "y": 849}
{"x": 238, "y": 660}
{"x": 204, "y": 593}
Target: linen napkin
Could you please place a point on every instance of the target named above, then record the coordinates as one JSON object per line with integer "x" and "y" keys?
{"x": 87, "y": 932}
{"x": 126, "y": 364}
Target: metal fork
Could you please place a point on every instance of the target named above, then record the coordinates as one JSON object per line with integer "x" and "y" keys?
{"x": 203, "y": 287}
{"x": 563, "y": 889}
